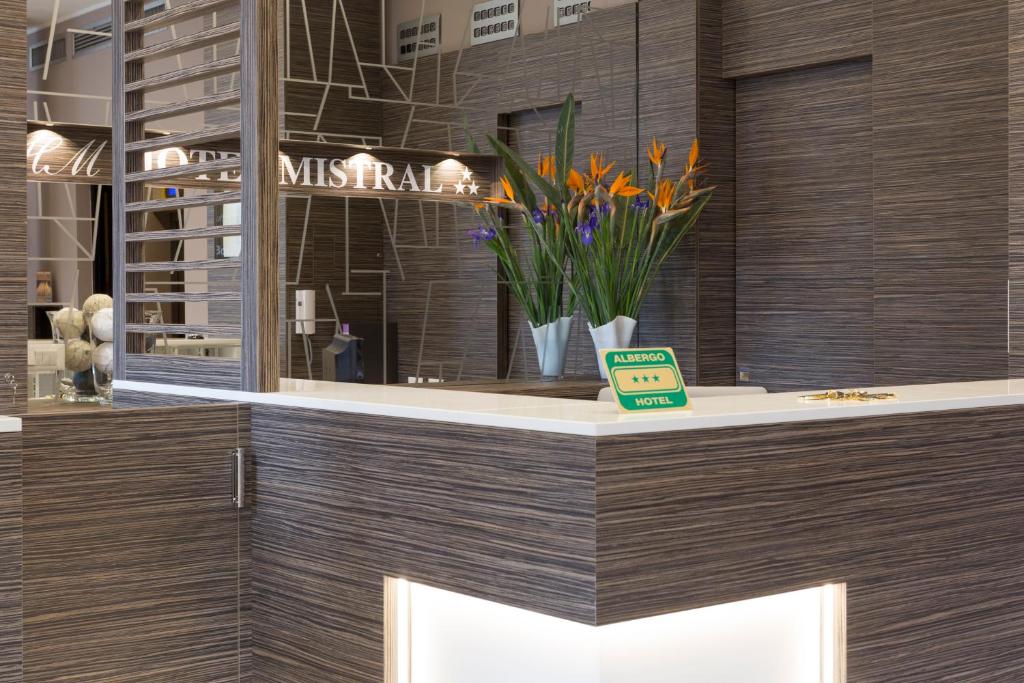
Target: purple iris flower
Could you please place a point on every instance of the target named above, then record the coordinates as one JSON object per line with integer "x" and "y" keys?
{"x": 538, "y": 217}
{"x": 482, "y": 233}
{"x": 604, "y": 209}
{"x": 642, "y": 203}
{"x": 587, "y": 229}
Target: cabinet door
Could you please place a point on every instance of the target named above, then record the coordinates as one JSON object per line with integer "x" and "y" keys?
{"x": 132, "y": 546}
{"x": 10, "y": 557}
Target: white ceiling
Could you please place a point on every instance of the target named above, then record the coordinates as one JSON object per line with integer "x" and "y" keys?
{"x": 41, "y": 11}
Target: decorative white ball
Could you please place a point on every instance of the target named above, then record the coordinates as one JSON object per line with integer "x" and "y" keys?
{"x": 96, "y": 302}
{"x": 78, "y": 355}
{"x": 102, "y": 324}
{"x": 70, "y": 323}
{"x": 103, "y": 357}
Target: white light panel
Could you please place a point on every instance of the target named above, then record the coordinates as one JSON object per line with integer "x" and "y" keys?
{"x": 494, "y": 20}
{"x": 444, "y": 637}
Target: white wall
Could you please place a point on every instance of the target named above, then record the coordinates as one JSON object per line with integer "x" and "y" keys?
{"x": 89, "y": 74}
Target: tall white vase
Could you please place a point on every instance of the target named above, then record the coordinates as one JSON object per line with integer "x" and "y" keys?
{"x": 552, "y": 341}
{"x": 614, "y": 335}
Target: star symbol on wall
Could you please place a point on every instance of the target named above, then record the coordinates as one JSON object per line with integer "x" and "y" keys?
{"x": 646, "y": 379}
{"x": 657, "y": 379}
{"x": 473, "y": 187}
{"x": 467, "y": 175}
{"x": 636, "y": 380}
{"x": 460, "y": 188}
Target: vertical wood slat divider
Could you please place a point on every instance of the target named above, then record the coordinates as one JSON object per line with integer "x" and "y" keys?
{"x": 123, "y": 133}
{"x": 259, "y": 145}
{"x": 258, "y": 127}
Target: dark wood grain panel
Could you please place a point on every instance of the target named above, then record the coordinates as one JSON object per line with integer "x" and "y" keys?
{"x": 716, "y": 232}
{"x": 195, "y": 371}
{"x": 1016, "y": 170}
{"x": 804, "y": 270}
{"x": 10, "y": 558}
{"x": 343, "y": 502}
{"x": 920, "y": 514}
{"x": 581, "y": 389}
{"x": 261, "y": 357}
{"x": 763, "y": 36}
{"x": 667, "y": 76}
{"x": 132, "y": 555}
{"x": 940, "y": 110}
{"x": 13, "y": 203}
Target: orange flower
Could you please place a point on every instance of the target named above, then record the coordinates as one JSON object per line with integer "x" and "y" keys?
{"x": 509, "y": 197}
{"x": 666, "y": 190}
{"x": 597, "y": 168}
{"x": 656, "y": 152}
{"x": 622, "y": 188}
{"x": 508, "y": 188}
{"x": 546, "y": 167}
{"x": 575, "y": 181}
{"x": 694, "y": 155}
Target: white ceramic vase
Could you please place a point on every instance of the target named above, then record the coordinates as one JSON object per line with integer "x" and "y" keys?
{"x": 552, "y": 341}
{"x": 614, "y": 335}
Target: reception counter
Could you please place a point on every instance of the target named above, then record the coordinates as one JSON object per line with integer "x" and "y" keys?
{"x": 564, "y": 508}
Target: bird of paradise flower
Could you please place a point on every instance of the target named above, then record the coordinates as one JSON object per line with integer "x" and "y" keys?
{"x": 606, "y": 240}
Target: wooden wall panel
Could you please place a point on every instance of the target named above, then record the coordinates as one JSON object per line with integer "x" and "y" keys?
{"x": 763, "y": 36}
{"x": 260, "y": 120}
{"x": 533, "y": 72}
{"x": 716, "y": 231}
{"x": 920, "y": 514}
{"x": 132, "y": 546}
{"x": 343, "y": 503}
{"x": 667, "y": 107}
{"x": 940, "y": 146}
{"x": 13, "y": 203}
{"x": 804, "y": 298}
{"x": 322, "y": 250}
{"x": 10, "y": 558}
{"x": 1016, "y": 169}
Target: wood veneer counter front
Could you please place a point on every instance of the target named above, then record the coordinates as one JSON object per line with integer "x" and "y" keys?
{"x": 593, "y": 418}
{"x": 918, "y": 512}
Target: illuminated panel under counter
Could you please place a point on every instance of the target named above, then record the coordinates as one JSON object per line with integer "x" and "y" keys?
{"x": 437, "y": 636}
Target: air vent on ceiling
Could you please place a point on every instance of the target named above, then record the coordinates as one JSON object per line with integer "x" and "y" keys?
{"x": 87, "y": 41}
{"x": 37, "y": 55}
{"x": 415, "y": 38}
{"x": 98, "y": 35}
{"x": 494, "y": 20}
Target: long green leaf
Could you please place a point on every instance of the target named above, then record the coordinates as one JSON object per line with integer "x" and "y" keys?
{"x": 565, "y": 140}
{"x": 526, "y": 169}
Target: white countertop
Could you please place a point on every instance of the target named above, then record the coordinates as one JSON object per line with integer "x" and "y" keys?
{"x": 10, "y": 424}
{"x": 592, "y": 418}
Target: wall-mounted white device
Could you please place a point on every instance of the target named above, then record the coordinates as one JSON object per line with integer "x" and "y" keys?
{"x": 570, "y": 11}
{"x": 494, "y": 20}
{"x": 305, "y": 311}
{"x": 425, "y": 36}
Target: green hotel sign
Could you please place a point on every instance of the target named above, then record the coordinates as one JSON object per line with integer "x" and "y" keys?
{"x": 645, "y": 379}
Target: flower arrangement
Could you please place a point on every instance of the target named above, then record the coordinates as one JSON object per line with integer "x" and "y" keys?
{"x": 535, "y": 279}
{"x": 604, "y": 234}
